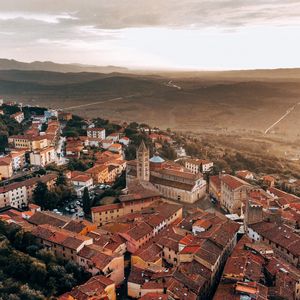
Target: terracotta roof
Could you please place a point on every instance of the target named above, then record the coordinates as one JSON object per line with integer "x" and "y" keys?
{"x": 97, "y": 209}
{"x": 77, "y": 226}
{"x": 82, "y": 178}
{"x": 279, "y": 234}
{"x": 154, "y": 296}
{"x": 94, "y": 288}
{"x": 233, "y": 182}
{"x": 197, "y": 161}
{"x": 139, "y": 231}
{"x": 150, "y": 252}
{"x": 5, "y": 161}
{"x": 216, "y": 180}
{"x": 40, "y": 218}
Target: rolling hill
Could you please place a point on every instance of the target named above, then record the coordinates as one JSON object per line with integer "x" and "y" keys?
{"x": 214, "y": 104}
{"x": 11, "y": 64}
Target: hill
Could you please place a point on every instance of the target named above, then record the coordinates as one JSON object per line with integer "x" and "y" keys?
{"x": 201, "y": 104}
{"x": 11, "y": 64}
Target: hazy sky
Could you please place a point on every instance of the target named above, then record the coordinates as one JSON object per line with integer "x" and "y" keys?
{"x": 194, "y": 34}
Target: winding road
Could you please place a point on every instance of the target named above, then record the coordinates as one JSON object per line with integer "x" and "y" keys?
{"x": 281, "y": 118}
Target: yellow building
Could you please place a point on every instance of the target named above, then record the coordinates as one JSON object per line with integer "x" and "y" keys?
{"x": 99, "y": 173}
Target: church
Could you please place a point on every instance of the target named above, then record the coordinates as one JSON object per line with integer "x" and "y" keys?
{"x": 172, "y": 180}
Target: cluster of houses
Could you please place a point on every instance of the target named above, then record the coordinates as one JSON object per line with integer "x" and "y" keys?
{"x": 232, "y": 193}
{"x": 154, "y": 240}
{"x": 96, "y": 138}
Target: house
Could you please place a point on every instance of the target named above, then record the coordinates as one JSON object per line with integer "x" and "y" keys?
{"x": 14, "y": 194}
{"x": 96, "y": 132}
{"x": 107, "y": 143}
{"x": 28, "y": 142}
{"x": 139, "y": 196}
{"x": 18, "y": 159}
{"x": 115, "y": 148}
{"x": 114, "y": 137}
{"x": 139, "y": 228}
{"x": 18, "y": 194}
{"x": 269, "y": 180}
{"x": 62, "y": 242}
{"x": 93, "y": 259}
{"x": 99, "y": 286}
{"x": 160, "y": 137}
{"x": 199, "y": 165}
{"x": 244, "y": 174}
{"x": 43, "y": 157}
{"x": 280, "y": 237}
{"x": 50, "y": 113}
{"x": 99, "y": 173}
{"x": 124, "y": 140}
{"x": 233, "y": 193}
{"x": 80, "y": 181}
{"x": 18, "y": 116}
{"x": 6, "y": 167}
{"x": 113, "y": 172}
{"x": 94, "y": 142}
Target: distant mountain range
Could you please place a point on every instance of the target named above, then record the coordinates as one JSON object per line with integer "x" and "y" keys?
{"x": 11, "y": 64}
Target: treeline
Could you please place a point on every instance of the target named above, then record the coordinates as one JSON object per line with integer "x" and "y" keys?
{"x": 30, "y": 272}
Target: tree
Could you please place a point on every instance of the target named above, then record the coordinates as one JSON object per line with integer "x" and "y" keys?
{"x": 86, "y": 200}
{"x": 51, "y": 201}
{"x": 77, "y": 165}
{"x": 39, "y": 194}
{"x": 61, "y": 179}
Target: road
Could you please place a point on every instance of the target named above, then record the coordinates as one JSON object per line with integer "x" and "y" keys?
{"x": 98, "y": 102}
{"x": 173, "y": 85}
{"x": 282, "y": 117}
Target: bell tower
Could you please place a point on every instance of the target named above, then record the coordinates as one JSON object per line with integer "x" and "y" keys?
{"x": 143, "y": 165}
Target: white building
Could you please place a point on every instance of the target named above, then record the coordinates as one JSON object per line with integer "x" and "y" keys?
{"x": 107, "y": 143}
{"x": 124, "y": 141}
{"x": 14, "y": 195}
{"x": 18, "y": 116}
{"x": 114, "y": 137}
{"x": 96, "y": 133}
{"x": 80, "y": 181}
{"x": 51, "y": 113}
{"x": 18, "y": 159}
{"x": 43, "y": 157}
{"x": 199, "y": 165}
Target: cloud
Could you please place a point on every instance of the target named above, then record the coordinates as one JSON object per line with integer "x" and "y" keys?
{"x": 135, "y": 31}
{"x": 116, "y": 14}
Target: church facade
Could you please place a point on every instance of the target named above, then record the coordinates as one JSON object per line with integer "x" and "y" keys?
{"x": 172, "y": 180}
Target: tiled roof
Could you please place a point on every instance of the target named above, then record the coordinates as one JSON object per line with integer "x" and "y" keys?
{"x": 139, "y": 231}
{"x": 233, "y": 182}
{"x": 150, "y": 252}
{"x": 279, "y": 234}
{"x": 40, "y": 218}
{"x": 97, "y": 209}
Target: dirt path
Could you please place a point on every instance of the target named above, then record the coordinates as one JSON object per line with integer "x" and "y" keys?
{"x": 282, "y": 117}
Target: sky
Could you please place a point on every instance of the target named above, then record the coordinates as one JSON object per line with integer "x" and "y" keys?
{"x": 153, "y": 34}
